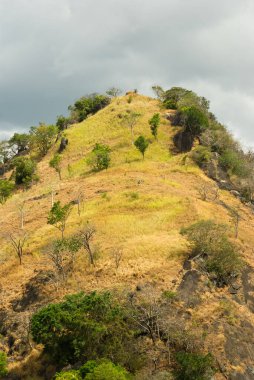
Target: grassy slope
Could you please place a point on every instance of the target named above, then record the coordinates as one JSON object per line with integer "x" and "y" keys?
{"x": 138, "y": 206}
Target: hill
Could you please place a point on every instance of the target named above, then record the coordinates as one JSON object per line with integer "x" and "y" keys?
{"x": 138, "y": 208}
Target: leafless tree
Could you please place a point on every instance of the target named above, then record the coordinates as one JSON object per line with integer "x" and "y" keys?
{"x": 18, "y": 241}
{"x": 235, "y": 215}
{"x": 21, "y": 208}
{"x": 117, "y": 254}
{"x": 79, "y": 200}
{"x": 86, "y": 236}
{"x": 129, "y": 120}
{"x": 208, "y": 192}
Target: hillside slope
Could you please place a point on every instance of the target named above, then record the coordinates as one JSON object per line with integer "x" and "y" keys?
{"x": 138, "y": 207}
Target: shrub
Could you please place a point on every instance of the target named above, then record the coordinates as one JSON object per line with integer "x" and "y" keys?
{"x": 216, "y": 253}
{"x": 88, "y": 105}
{"x": 193, "y": 120}
{"x": 25, "y": 171}
{"x": 68, "y": 375}
{"x": 154, "y": 124}
{"x": 141, "y": 144}
{"x": 99, "y": 158}
{"x": 3, "y": 364}
{"x": 58, "y": 216}
{"x": 62, "y": 122}
{"x": 194, "y": 366}
{"x": 104, "y": 370}
{"x": 85, "y": 327}
{"x": 201, "y": 155}
{"x": 232, "y": 161}
{"x": 55, "y": 163}
{"x": 6, "y": 189}
{"x": 170, "y": 104}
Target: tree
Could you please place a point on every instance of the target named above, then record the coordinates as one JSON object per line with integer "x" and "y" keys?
{"x": 104, "y": 370}
{"x": 85, "y": 327}
{"x": 154, "y": 124}
{"x": 25, "y": 171}
{"x": 58, "y": 216}
{"x": 42, "y": 137}
{"x": 159, "y": 92}
{"x": 130, "y": 120}
{"x": 62, "y": 122}
{"x": 55, "y": 163}
{"x": 99, "y": 158}
{"x": 113, "y": 92}
{"x": 18, "y": 241}
{"x": 88, "y": 105}
{"x": 6, "y": 189}
{"x": 20, "y": 142}
{"x": 193, "y": 120}
{"x": 141, "y": 144}
{"x": 86, "y": 237}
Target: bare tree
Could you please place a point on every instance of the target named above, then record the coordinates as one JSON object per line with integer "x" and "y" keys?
{"x": 79, "y": 200}
{"x": 18, "y": 241}
{"x": 130, "y": 120}
{"x": 86, "y": 236}
{"x": 235, "y": 215}
{"x": 208, "y": 192}
{"x": 117, "y": 256}
{"x": 21, "y": 208}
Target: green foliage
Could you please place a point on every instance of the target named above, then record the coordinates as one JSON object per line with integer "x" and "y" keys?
{"x": 154, "y": 124}
{"x": 99, "y": 158}
{"x": 20, "y": 142}
{"x": 113, "y": 92}
{"x": 170, "y": 104}
{"x": 25, "y": 171}
{"x": 43, "y": 137}
{"x": 233, "y": 162}
{"x": 141, "y": 144}
{"x": 159, "y": 92}
{"x": 194, "y": 366}
{"x": 217, "y": 254}
{"x": 58, "y": 215}
{"x": 193, "y": 120}
{"x": 6, "y": 189}
{"x": 85, "y": 327}
{"x": 55, "y": 163}
{"x": 88, "y": 105}
{"x": 201, "y": 155}
{"x": 103, "y": 370}
{"x": 68, "y": 375}
{"x": 62, "y": 122}
{"x": 178, "y": 97}
{"x": 3, "y": 364}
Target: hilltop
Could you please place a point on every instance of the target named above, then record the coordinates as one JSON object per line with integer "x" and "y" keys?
{"x": 138, "y": 208}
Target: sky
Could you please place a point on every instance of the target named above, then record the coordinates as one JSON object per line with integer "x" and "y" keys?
{"x": 54, "y": 51}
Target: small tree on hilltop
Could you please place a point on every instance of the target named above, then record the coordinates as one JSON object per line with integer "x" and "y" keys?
{"x": 58, "y": 216}
{"x": 113, "y": 92}
{"x": 130, "y": 120}
{"x": 141, "y": 144}
{"x": 6, "y": 189}
{"x": 55, "y": 163}
{"x": 99, "y": 158}
{"x": 154, "y": 124}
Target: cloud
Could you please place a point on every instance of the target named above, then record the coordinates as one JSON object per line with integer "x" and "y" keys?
{"x": 52, "y": 52}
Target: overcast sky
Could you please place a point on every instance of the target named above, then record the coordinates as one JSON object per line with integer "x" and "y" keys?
{"x": 54, "y": 51}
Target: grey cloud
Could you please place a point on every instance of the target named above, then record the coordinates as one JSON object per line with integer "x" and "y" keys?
{"x": 52, "y": 52}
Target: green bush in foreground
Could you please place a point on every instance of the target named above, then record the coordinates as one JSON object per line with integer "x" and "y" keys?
{"x": 3, "y": 364}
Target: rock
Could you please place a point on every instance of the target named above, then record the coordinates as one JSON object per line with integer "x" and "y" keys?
{"x": 63, "y": 144}
{"x": 183, "y": 141}
{"x": 236, "y": 286}
{"x": 187, "y": 265}
{"x": 235, "y": 193}
{"x": 232, "y": 290}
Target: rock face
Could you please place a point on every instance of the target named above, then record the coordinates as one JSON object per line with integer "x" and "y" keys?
{"x": 183, "y": 141}
{"x": 63, "y": 144}
{"x": 190, "y": 288}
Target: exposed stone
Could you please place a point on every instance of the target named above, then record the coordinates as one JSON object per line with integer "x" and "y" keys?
{"x": 63, "y": 144}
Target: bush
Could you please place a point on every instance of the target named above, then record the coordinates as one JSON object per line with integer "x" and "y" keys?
{"x": 104, "y": 370}
{"x": 232, "y": 161}
{"x": 55, "y": 163}
{"x": 141, "y": 144}
{"x": 85, "y": 327}
{"x": 99, "y": 158}
{"x": 43, "y": 137}
{"x": 25, "y": 171}
{"x": 216, "y": 253}
{"x": 68, "y": 375}
{"x": 194, "y": 366}
{"x": 88, "y": 105}
{"x": 154, "y": 124}
{"x": 201, "y": 155}
{"x": 193, "y": 120}
{"x": 62, "y": 122}
{"x": 6, "y": 189}
{"x": 3, "y": 364}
